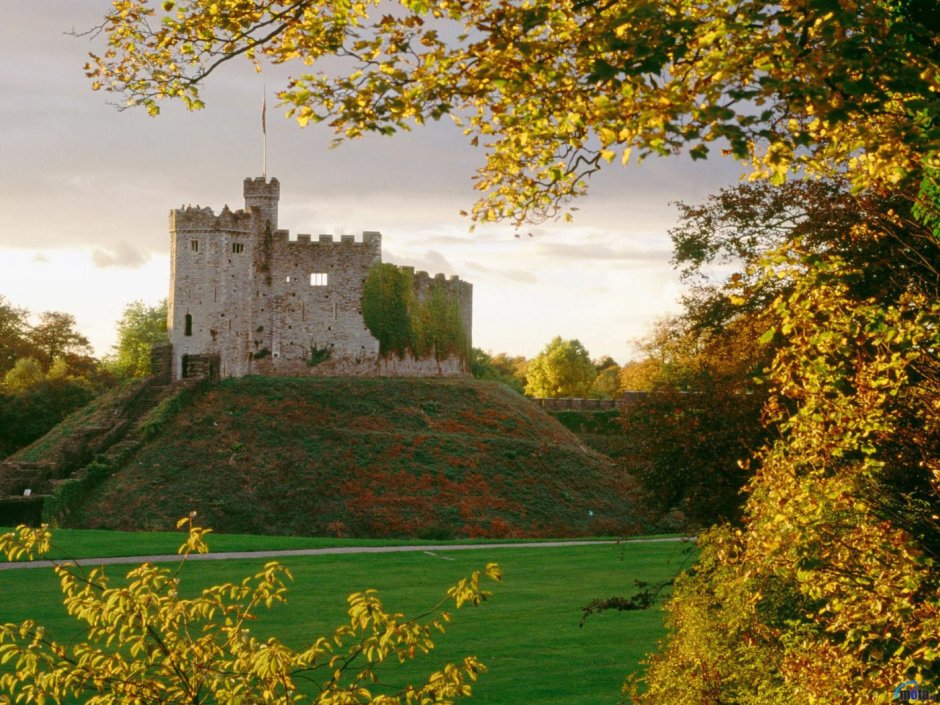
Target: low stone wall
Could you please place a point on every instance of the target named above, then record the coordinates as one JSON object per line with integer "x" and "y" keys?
{"x": 364, "y": 366}
{"x": 161, "y": 363}
{"x": 393, "y": 366}
{"x": 624, "y": 401}
{"x": 201, "y": 367}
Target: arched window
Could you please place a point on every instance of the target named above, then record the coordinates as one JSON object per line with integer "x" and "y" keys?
{"x": 189, "y": 325}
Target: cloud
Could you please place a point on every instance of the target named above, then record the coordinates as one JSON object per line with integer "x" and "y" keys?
{"x": 122, "y": 254}
{"x": 442, "y": 240}
{"x": 519, "y": 276}
{"x": 603, "y": 251}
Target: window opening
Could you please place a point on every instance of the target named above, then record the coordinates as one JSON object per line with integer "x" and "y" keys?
{"x": 319, "y": 279}
{"x": 238, "y": 247}
{"x": 188, "y": 330}
{"x": 194, "y": 245}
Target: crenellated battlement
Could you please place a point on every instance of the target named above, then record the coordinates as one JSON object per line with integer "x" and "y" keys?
{"x": 263, "y": 196}
{"x": 370, "y": 238}
{"x": 423, "y": 280}
{"x": 198, "y": 219}
{"x": 258, "y": 187}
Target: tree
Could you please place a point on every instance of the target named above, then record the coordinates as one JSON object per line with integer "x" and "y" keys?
{"x": 26, "y": 374}
{"x": 687, "y": 442}
{"x": 14, "y": 324}
{"x": 56, "y": 336}
{"x": 52, "y": 377}
{"x": 815, "y": 594}
{"x": 605, "y": 363}
{"x": 512, "y": 367}
{"x": 32, "y": 401}
{"x": 707, "y": 365}
{"x": 562, "y": 369}
{"x": 607, "y": 383}
{"x": 140, "y": 328}
{"x": 669, "y": 350}
{"x": 700, "y": 419}
{"x": 144, "y": 642}
{"x": 638, "y": 375}
{"x": 500, "y": 368}
{"x": 555, "y": 89}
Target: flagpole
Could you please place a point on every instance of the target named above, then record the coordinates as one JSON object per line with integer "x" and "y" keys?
{"x": 264, "y": 134}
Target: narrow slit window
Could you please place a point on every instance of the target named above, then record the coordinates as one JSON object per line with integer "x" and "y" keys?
{"x": 188, "y": 325}
{"x": 319, "y": 279}
{"x": 238, "y": 247}
{"x": 194, "y": 245}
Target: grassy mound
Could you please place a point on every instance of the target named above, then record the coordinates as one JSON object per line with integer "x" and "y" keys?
{"x": 427, "y": 458}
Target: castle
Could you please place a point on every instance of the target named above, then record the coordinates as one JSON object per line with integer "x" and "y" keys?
{"x": 246, "y": 299}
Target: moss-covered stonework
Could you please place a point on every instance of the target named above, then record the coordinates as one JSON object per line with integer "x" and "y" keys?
{"x": 414, "y": 314}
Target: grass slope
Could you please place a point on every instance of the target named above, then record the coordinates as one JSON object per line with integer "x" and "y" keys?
{"x": 427, "y": 458}
{"x": 98, "y": 411}
{"x": 601, "y": 431}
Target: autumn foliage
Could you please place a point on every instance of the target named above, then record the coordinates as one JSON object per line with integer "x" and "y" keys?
{"x": 555, "y": 90}
{"x": 831, "y": 585}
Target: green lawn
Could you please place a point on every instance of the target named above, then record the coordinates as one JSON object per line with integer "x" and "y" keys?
{"x": 527, "y": 635}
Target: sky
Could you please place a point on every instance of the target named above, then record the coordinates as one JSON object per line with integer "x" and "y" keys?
{"x": 86, "y": 189}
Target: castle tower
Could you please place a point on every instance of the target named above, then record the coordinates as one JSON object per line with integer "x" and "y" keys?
{"x": 211, "y": 278}
{"x": 263, "y": 196}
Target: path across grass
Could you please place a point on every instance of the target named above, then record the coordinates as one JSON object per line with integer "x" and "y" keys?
{"x": 331, "y": 550}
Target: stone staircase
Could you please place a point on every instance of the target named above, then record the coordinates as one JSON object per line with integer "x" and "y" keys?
{"x": 25, "y": 485}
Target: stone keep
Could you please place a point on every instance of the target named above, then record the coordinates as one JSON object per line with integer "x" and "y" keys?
{"x": 246, "y": 299}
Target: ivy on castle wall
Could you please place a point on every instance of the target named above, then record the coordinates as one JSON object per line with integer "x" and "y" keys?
{"x": 406, "y": 319}
{"x": 437, "y": 324}
{"x": 386, "y": 301}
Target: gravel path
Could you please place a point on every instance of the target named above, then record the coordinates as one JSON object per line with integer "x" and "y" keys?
{"x": 285, "y": 553}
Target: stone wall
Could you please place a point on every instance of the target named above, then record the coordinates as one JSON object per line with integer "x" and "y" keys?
{"x": 311, "y": 307}
{"x": 161, "y": 363}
